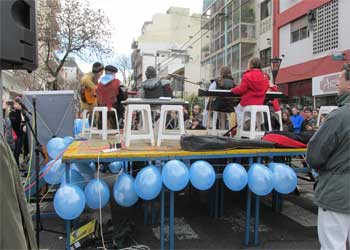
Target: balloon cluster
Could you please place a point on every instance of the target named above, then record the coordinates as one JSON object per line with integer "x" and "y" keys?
{"x": 175, "y": 175}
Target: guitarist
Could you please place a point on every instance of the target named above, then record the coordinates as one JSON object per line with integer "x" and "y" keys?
{"x": 89, "y": 83}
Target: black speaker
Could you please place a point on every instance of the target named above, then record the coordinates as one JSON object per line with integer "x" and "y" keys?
{"x": 18, "y": 35}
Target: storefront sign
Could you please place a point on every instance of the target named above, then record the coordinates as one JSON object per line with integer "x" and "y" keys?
{"x": 324, "y": 85}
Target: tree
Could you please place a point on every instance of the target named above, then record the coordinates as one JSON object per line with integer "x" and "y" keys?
{"x": 75, "y": 28}
{"x": 123, "y": 63}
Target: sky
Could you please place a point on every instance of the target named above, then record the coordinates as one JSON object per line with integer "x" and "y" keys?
{"x": 128, "y": 16}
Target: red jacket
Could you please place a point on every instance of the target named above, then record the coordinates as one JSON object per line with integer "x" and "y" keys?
{"x": 253, "y": 88}
{"x": 275, "y": 102}
{"x": 107, "y": 94}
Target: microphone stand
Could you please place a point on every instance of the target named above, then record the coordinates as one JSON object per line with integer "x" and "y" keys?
{"x": 38, "y": 150}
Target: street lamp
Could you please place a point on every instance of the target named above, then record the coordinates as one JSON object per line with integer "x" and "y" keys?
{"x": 275, "y": 66}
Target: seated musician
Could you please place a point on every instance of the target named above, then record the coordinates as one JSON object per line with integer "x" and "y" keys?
{"x": 252, "y": 88}
{"x": 108, "y": 91}
{"x": 88, "y": 87}
{"x": 155, "y": 87}
{"x": 221, "y": 104}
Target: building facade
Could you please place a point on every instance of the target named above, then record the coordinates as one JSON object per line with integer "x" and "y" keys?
{"x": 228, "y": 36}
{"x": 311, "y": 38}
{"x": 169, "y": 43}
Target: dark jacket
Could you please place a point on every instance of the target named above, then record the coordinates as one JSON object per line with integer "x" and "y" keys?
{"x": 253, "y": 87}
{"x": 329, "y": 153}
{"x": 154, "y": 88}
{"x": 16, "y": 121}
{"x": 17, "y": 228}
{"x": 222, "y": 104}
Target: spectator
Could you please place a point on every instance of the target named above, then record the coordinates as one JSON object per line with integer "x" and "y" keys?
{"x": 252, "y": 88}
{"x": 197, "y": 112}
{"x": 306, "y": 124}
{"x": 313, "y": 121}
{"x": 296, "y": 119}
{"x": 196, "y": 125}
{"x": 287, "y": 123}
{"x": 328, "y": 154}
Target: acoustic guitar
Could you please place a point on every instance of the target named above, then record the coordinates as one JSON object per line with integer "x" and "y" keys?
{"x": 88, "y": 95}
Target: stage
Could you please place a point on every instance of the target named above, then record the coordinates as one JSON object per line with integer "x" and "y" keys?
{"x": 91, "y": 151}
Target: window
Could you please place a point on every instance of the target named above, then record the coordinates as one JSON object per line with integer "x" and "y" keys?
{"x": 265, "y": 56}
{"x": 299, "y": 29}
{"x": 265, "y": 9}
{"x": 325, "y": 28}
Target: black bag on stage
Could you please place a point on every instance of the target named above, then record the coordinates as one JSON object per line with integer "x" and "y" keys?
{"x": 210, "y": 142}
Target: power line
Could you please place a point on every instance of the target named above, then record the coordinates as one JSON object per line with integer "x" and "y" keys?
{"x": 217, "y": 13}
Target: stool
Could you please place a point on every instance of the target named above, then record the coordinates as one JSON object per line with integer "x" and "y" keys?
{"x": 256, "y": 115}
{"x": 104, "y": 131}
{"x": 163, "y": 133}
{"x": 147, "y": 128}
{"x": 84, "y": 128}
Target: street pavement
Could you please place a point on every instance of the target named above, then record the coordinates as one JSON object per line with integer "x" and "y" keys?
{"x": 294, "y": 228}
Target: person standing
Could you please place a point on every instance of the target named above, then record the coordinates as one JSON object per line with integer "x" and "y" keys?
{"x": 252, "y": 88}
{"x": 328, "y": 153}
{"x": 8, "y": 133}
{"x": 18, "y": 125}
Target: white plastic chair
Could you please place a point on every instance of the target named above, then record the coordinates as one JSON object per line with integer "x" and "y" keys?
{"x": 167, "y": 134}
{"x": 146, "y": 132}
{"x": 254, "y": 114}
{"x": 104, "y": 131}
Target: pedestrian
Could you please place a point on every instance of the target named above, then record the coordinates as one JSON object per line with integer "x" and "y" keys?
{"x": 328, "y": 153}
{"x": 286, "y": 122}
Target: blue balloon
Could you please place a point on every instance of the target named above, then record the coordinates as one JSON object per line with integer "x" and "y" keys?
{"x": 75, "y": 178}
{"x": 92, "y": 165}
{"x": 124, "y": 192}
{"x": 69, "y": 202}
{"x": 84, "y": 169}
{"x": 55, "y": 147}
{"x": 93, "y": 191}
{"x": 55, "y": 173}
{"x": 260, "y": 179}
{"x": 202, "y": 175}
{"x": 235, "y": 176}
{"x": 115, "y": 166}
{"x": 148, "y": 183}
{"x": 68, "y": 140}
{"x": 78, "y": 126}
{"x": 284, "y": 178}
{"x": 175, "y": 175}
